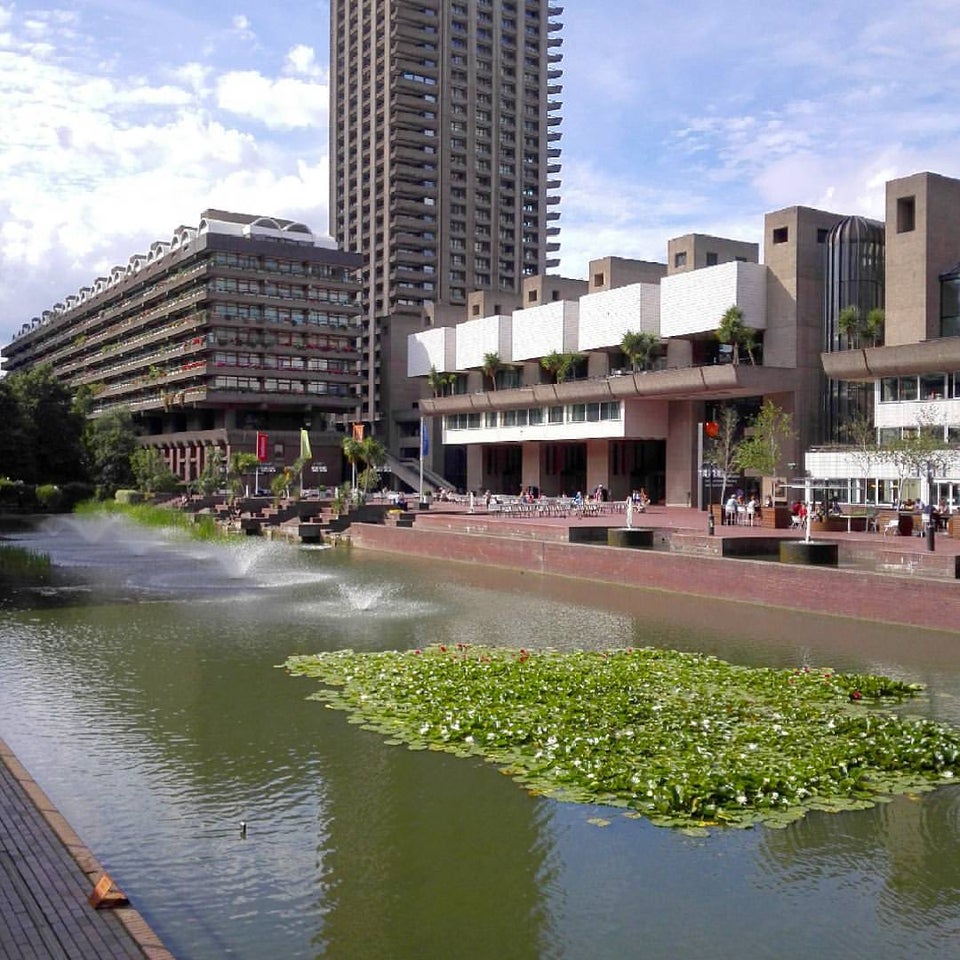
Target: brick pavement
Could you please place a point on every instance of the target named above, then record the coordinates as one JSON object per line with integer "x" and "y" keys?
{"x": 46, "y": 877}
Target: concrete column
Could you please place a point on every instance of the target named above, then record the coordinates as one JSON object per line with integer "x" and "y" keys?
{"x": 531, "y": 469}
{"x": 682, "y": 452}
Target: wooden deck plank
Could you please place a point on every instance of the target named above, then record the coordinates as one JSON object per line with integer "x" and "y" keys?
{"x": 46, "y": 875}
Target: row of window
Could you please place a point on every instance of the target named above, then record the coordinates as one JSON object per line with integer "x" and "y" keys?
{"x": 274, "y": 385}
{"x": 245, "y": 261}
{"x": 283, "y": 291}
{"x": 891, "y": 435}
{"x": 272, "y": 362}
{"x": 282, "y": 338}
{"x": 535, "y": 416}
{"x": 271, "y": 314}
{"x": 928, "y": 386}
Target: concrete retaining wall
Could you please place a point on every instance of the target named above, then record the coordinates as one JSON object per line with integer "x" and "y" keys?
{"x": 849, "y": 593}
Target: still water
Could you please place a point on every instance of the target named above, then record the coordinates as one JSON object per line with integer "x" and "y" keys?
{"x": 142, "y": 693}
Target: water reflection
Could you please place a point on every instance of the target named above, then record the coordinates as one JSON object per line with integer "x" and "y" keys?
{"x": 147, "y": 702}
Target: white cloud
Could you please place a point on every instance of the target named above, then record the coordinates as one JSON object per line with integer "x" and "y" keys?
{"x": 302, "y": 59}
{"x": 280, "y": 103}
{"x": 98, "y": 161}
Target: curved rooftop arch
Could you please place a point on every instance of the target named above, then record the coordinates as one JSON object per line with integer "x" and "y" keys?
{"x": 157, "y": 249}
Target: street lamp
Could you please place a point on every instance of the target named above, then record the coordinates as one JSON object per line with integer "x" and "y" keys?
{"x": 711, "y": 428}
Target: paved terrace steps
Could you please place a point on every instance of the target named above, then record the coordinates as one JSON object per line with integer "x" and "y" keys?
{"x": 46, "y": 878}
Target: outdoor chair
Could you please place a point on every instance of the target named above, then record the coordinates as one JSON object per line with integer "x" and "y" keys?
{"x": 892, "y": 526}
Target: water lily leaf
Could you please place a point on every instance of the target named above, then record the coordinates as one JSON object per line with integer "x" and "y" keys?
{"x": 682, "y": 739}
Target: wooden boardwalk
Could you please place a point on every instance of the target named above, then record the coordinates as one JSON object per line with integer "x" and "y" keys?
{"x": 46, "y": 878}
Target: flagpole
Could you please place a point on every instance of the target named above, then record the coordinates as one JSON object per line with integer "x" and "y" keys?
{"x": 421, "y": 459}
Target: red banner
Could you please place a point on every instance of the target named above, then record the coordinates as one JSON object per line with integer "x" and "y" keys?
{"x": 358, "y": 431}
{"x": 263, "y": 442}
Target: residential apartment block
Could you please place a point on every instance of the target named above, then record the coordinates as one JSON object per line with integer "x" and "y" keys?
{"x": 240, "y": 325}
{"x": 444, "y": 138}
{"x": 606, "y": 424}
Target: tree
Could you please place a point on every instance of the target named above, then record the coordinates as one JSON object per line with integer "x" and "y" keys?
{"x": 924, "y": 446}
{"x": 51, "y": 428}
{"x": 720, "y": 452}
{"x": 111, "y": 441}
{"x": 240, "y": 465}
{"x": 491, "y": 367}
{"x": 874, "y": 324}
{"x": 734, "y": 332}
{"x": 211, "y": 476}
{"x": 639, "y": 348}
{"x": 848, "y": 324}
{"x": 369, "y": 451}
{"x": 760, "y": 450}
{"x": 560, "y": 364}
{"x": 151, "y": 473}
{"x": 439, "y": 382}
{"x": 861, "y": 434}
{"x": 16, "y": 457}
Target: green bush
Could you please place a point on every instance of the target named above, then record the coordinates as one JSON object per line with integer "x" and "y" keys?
{"x": 128, "y": 496}
{"x": 74, "y": 493}
{"x": 49, "y": 496}
{"x": 17, "y": 495}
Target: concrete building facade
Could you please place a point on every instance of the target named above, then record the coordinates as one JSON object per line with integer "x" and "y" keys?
{"x": 444, "y": 135}
{"x": 622, "y": 429}
{"x": 239, "y": 326}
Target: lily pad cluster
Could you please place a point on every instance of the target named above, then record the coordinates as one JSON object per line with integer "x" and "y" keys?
{"x": 683, "y": 739}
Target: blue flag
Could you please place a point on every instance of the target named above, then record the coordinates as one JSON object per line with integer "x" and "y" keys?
{"x": 424, "y": 442}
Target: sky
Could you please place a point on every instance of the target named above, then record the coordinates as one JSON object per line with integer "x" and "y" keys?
{"x": 120, "y": 120}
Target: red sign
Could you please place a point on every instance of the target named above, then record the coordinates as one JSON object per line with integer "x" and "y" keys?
{"x": 358, "y": 431}
{"x": 263, "y": 442}
{"x": 711, "y": 429}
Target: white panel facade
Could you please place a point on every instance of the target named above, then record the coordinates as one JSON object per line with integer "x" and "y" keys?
{"x": 606, "y": 316}
{"x": 637, "y": 419}
{"x": 436, "y": 348}
{"x": 835, "y": 464}
{"x": 695, "y": 302}
{"x": 910, "y": 413}
{"x": 548, "y": 328}
{"x": 476, "y": 338}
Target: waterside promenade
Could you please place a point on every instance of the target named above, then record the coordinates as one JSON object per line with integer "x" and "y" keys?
{"x": 46, "y": 877}
{"x": 891, "y": 579}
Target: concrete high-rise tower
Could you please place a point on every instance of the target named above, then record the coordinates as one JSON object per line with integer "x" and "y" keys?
{"x": 444, "y": 141}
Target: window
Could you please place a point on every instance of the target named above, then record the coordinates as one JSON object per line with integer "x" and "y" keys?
{"x": 822, "y": 234}
{"x": 932, "y": 386}
{"x": 680, "y": 258}
{"x": 598, "y": 279}
{"x": 950, "y": 305}
{"x": 712, "y": 258}
{"x": 906, "y": 214}
{"x": 781, "y": 234}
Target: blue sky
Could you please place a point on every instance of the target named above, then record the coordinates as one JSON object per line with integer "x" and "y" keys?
{"x": 120, "y": 121}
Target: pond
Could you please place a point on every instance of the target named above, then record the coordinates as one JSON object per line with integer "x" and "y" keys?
{"x": 141, "y": 689}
